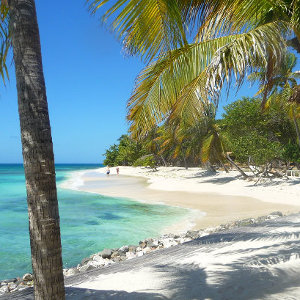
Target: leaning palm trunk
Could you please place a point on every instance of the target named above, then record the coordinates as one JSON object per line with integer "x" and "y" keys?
{"x": 245, "y": 176}
{"x": 37, "y": 152}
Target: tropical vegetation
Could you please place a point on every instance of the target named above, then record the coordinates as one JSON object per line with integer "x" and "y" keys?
{"x": 253, "y": 137}
{"x": 197, "y": 46}
{"x": 194, "y": 48}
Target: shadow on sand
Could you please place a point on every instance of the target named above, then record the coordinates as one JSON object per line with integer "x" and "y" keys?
{"x": 74, "y": 293}
{"x": 245, "y": 263}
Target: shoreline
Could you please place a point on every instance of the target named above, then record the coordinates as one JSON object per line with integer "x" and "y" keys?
{"x": 214, "y": 198}
{"x": 87, "y": 180}
{"x": 108, "y": 257}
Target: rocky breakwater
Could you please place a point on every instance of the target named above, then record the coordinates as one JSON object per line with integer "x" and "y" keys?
{"x": 111, "y": 256}
{"x": 16, "y": 284}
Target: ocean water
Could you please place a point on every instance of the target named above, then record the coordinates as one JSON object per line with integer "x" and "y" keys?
{"x": 89, "y": 222}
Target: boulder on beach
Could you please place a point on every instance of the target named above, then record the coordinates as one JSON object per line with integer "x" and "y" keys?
{"x": 27, "y": 277}
{"x": 106, "y": 253}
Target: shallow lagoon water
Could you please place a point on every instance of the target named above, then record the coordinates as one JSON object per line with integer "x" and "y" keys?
{"x": 89, "y": 222}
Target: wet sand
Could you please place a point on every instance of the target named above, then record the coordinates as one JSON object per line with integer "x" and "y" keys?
{"x": 218, "y": 209}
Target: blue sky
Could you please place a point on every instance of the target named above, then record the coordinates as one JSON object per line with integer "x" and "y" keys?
{"x": 88, "y": 82}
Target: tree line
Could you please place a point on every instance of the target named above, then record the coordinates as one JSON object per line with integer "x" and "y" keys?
{"x": 245, "y": 133}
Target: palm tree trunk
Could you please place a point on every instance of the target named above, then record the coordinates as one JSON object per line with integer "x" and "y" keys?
{"x": 163, "y": 160}
{"x": 224, "y": 167}
{"x": 245, "y": 176}
{"x": 185, "y": 162}
{"x": 37, "y": 152}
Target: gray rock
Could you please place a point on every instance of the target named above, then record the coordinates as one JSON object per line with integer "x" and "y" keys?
{"x": 124, "y": 249}
{"x": 277, "y": 213}
{"x": 22, "y": 287}
{"x": 4, "y": 289}
{"x": 115, "y": 254}
{"x": 132, "y": 248}
{"x": 117, "y": 259}
{"x": 192, "y": 234}
{"x": 130, "y": 255}
{"x": 99, "y": 261}
{"x": 142, "y": 244}
{"x": 72, "y": 272}
{"x": 140, "y": 253}
{"x": 85, "y": 260}
{"x": 123, "y": 257}
{"x": 10, "y": 280}
{"x": 152, "y": 245}
{"x": 106, "y": 253}
{"x": 146, "y": 250}
{"x": 245, "y": 222}
{"x": 12, "y": 286}
{"x": 86, "y": 268}
{"x": 19, "y": 282}
{"x": 169, "y": 243}
{"x": 27, "y": 277}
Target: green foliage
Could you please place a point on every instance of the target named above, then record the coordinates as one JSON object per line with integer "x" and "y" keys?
{"x": 125, "y": 153}
{"x": 129, "y": 151}
{"x": 146, "y": 161}
{"x": 111, "y": 155}
{"x": 230, "y": 38}
{"x": 257, "y": 147}
{"x": 291, "y": 153}
{"x": 212, "y": 147}
{"x": 253, "y": 133}
{"x": 245, "y": 130}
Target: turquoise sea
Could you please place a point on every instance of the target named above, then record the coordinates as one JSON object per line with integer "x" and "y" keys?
{"x": 89, "y": 222}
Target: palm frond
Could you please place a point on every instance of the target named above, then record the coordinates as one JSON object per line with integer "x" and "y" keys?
{"x": 206, "y": 148}
{"x": 145, "y": 27}
{"x": 261, "y": 48}
{"x": 160, "y": 83}
{"x": 218, "y": 17}
{"x": 185, "y": 82}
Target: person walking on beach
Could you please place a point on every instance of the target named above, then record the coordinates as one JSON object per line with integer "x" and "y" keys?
{"x": 118, "y": 170}
{"x": 107, "y": 170}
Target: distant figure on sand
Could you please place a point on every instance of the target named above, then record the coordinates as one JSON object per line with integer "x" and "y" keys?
{"x": 118, "y": 170}
{"x": 107, "y": 170}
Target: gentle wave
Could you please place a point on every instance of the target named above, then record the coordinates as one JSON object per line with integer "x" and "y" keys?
{"x": 89, "y": 222}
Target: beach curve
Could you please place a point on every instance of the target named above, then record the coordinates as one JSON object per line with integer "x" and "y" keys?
{"x": 218, "y": 198}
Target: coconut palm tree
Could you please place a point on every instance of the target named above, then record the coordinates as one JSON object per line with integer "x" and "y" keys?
{"x": 37, "y": 149}
{"x": 229, "y": 38}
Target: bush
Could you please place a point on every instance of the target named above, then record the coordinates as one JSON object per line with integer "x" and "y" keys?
{"x": 146, "y": 161}
{"x": 291, "y": 153}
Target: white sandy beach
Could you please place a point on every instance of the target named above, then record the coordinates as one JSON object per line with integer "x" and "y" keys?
{"x": 218, "y": 198}
{"x": 196, "y": 180}
{"x": 242, "y": 263}
{"x": 245, "y": 263}
{"x": 254, "y": 263}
